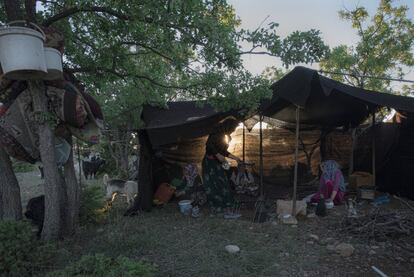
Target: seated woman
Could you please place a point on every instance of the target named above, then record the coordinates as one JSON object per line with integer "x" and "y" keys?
{"x": 332, "y": 184}
{"x": 190, "y": 185}
{"x": 216, "y": 183}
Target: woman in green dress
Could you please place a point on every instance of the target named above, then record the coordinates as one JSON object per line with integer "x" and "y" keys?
{"x": 215, "y": 179}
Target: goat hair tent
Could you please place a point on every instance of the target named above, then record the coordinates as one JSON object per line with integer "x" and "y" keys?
{"x": 324, "y": 103}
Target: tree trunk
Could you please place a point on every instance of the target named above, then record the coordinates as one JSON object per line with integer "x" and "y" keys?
{"x": 72, "y": 189}
{"x": 10, "y": 202}
{"x": 145, "y": 185}
{"x": 52, "y": 221}
{"x": 13, "y": 9}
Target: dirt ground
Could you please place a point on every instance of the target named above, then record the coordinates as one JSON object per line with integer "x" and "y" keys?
{"x": 183, "y": 246}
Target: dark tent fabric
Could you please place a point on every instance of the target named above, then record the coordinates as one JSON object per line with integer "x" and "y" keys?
{"x": 325, "y": 102}
{"x": 181, "y": 120}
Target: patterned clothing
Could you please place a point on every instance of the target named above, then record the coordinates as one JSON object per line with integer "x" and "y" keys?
{"x": 331, "y": 180}
{"x": 331, "y": 172}
{"x": 216, "y": 185}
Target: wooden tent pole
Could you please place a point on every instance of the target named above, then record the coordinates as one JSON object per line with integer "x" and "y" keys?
{"x": 351, "y": 158}
{"x": 295, "y": 176}
{"x": 373, "y": 150}
{"x": 244, "y": 143}
{"x": 261, "y": 156}
{"x": 79, "y": 163}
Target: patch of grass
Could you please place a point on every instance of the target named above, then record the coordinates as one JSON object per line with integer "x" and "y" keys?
{"x": 22, "y": 167}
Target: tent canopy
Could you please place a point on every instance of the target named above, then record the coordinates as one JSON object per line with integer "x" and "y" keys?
{"x": 181, "y": 121}
{"x": 326, "y": 102}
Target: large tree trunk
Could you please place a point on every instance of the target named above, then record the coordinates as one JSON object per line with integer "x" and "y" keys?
{"x": 10, "y": 202}
{"x": 72, "y": 190}
{"x": 52, "y": 221}
{"x": 145, "y": 185}
{"x": 13, "y": 9}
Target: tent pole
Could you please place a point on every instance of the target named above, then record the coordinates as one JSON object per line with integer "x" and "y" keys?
{"x": 261, "y": 156}
{"x": 351, "y": 158}
{"x": 373, "y": 150}
{"x": 244, "y": 143}
{"x": 295, "y": 176}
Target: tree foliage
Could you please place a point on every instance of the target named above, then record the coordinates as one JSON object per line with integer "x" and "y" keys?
{"x": 386, "y": 40}
{"x": 134, "y": 52}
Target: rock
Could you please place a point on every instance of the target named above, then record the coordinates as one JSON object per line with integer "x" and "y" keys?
{"x": 344, "y": 249}
{"x": 330, "y": 247}
{"x": 294, "y": 226}
{"x": 310, "y": 242}
{"x": 100, "y": 230}
{"x": 375, "y": 247}
{"x": 311, "y": 215}
{"x": 400, "y": 259}
{"x": 285, "y": 207}
{"x": 372, "y": 252}
{"x": 232, "y": 249}
{"x": 328, "y": 241}
{"x": 288, "y": 219}
{"x": 314, "y": 237}
{"x": 412, "y": 260}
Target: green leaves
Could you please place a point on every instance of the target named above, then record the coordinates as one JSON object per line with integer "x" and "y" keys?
{"x": 384, "y": 48}
{"x": 129, "y": 53}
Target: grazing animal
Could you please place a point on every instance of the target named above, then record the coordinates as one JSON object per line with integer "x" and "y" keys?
{"x": 90, "y": 168}
{"x": 117, "y": 186}
{"x": 35, "y": 211}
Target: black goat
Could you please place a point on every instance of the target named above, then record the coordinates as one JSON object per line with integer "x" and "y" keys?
{"x": 35, "y": 211}
{"x": 91, "y": 168}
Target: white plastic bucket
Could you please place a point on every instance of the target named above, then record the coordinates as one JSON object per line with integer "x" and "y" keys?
{"x": 22, "y": 55}
{"x": 53, "y": 64}
{"x": 185, "y": 206}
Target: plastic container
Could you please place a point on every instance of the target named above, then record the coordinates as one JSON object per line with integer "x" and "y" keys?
{"x": 164, "y": 193}
{"x": 22, "y": 55}
{"x": 53, "y": 64}
{"x": 185, "y": 206}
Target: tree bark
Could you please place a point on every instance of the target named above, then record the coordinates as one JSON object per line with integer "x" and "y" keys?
{"x": 13, "y": 9}
{"x": 10, "y": 201}
{"x": 145, "y": 185}
{"x": 52, "y": 221}
{"x": 72, "y": 190}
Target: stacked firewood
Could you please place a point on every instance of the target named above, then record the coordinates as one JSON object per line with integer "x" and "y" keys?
{"x": 380, "y": 225}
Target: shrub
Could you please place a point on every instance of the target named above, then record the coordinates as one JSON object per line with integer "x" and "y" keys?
{"x": 92, "y": 205}
{"x": 100, "y": 265}
{"x": 21, "y": 253}
{"x": 22, "y": 167}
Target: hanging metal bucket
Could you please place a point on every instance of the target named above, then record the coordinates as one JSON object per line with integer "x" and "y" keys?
{"x": 22, "y": 54}
{"x": 53, "y": 64}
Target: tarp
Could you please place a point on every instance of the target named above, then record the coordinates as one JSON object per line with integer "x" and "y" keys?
{"x": 181, "y": 121}
{"x": 325, "y": 102}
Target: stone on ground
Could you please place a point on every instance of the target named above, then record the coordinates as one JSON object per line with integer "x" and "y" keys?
{"x": 344, "y": 249}
{"x": 232, "y": 249}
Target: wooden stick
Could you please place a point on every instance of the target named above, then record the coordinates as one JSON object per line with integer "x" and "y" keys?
{"x": 261, "y": 156}
{"x": 295, "y": 174}
{"x": 244, "y": 143}
{"x": 373, "y": 150}
{"x": 405, "y": 202}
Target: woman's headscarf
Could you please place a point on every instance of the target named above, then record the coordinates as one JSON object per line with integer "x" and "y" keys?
{"x": 329, "y": 169}
{"x": 190, "y": 174}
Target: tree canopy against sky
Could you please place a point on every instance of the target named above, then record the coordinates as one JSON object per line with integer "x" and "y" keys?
{"x": 134, "y": 52}
{"x": 385, "y": 48}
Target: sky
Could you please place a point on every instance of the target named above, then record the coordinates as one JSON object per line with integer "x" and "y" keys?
{"x": 303, "y": 15}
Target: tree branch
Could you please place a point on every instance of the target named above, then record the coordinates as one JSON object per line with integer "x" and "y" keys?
{"x": 74, "y": 10}
{"x": 126, "y": 75}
